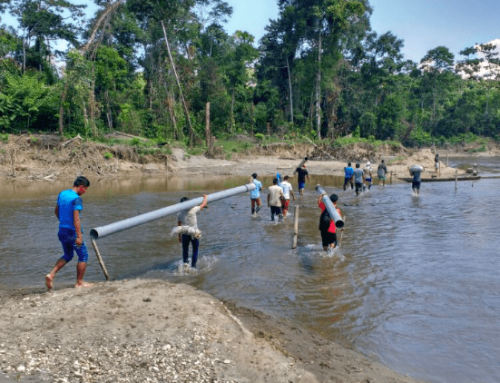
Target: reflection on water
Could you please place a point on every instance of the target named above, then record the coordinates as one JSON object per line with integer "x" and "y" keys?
{"x": 414, "y": 282}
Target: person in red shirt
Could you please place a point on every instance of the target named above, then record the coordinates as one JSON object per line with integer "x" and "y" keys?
{"x": 327, "y": 224}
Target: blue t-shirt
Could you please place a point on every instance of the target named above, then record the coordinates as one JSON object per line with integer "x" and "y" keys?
{"x": 255, "y": 193}
{"x": 348, "y": 172}
{"x": 68, "y": 201}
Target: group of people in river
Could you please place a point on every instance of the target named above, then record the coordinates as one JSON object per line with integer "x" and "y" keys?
{"x": 69, "y": 205}
{"x": 361, "y": 179}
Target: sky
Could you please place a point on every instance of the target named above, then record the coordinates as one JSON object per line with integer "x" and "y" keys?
{"x": 422, "y": 24}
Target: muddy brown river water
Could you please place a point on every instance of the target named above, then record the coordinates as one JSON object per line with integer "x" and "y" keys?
{"x": 414, "y": 285}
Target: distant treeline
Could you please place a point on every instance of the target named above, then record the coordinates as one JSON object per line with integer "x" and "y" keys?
{"x": 150, "y": 67}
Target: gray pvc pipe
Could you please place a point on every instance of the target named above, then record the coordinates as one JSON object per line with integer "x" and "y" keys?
{"x": 339, "y": 222}
{"x": 128, "y": 223}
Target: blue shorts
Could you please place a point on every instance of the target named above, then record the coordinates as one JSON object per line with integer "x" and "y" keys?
{"x": 68, "y": 242}
{"x": 302, "y": 185}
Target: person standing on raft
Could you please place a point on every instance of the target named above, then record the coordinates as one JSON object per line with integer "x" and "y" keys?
{"x": 327, "y": 226}
{"x": 68, "y": 208}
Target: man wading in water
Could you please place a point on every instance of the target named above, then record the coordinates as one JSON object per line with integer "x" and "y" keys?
{"x": 274, "y": 200}
{"x": 68, "y": 208}
{"x": 303, "y": 173}
{"x": 255, "y": 195}
{"x": 327, "y": 226}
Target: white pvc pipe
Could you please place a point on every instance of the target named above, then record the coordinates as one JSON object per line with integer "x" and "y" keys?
{"x": 339, "y": 222}
{"x": 128, "y": 223}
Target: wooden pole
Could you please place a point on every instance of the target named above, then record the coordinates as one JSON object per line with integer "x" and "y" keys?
{"x": 342, "y": 232}
{"x": 446, "y": 159}
{"x": 295, "y": 227}
{"x": 103, "y": 267}
{"x": 208, "y": 134}
{"x": 391, "y": 178}
{"x": 456, "y": 179}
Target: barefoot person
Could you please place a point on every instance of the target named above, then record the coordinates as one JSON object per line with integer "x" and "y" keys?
{"x": 359, "y": 178}
{"x": 327, "y": 226}
{"x": 255, "y": 195}
{"x": 187, "y": 219}
{"x": 349, "y": 172}
{"x": 68, "y": 208}
{"x": 381, "y": 172}
{"x": 368, "y": 175}
{"x": 415, "y": 172}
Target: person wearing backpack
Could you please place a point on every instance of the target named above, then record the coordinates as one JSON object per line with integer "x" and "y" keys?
{"x": 327, "y": 226}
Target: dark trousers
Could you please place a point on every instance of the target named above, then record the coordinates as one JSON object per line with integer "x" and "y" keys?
{"x": 186, "y": 239}
{"x": 348, "y": 181}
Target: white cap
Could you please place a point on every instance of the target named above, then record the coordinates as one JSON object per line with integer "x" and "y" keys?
{"x": 367, "y": 163}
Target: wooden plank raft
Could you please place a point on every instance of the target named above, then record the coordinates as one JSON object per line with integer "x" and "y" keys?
{"x": 462, "y": 178}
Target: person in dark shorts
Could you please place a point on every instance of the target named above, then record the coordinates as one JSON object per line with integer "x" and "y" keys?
{"x": 303, "y": 174}
{"x": 327, "y": 226}
{"x": 359, "y": 178}
{"x": 255, "y": 195}
{"x": 415, "y": 172}
{"x": 274, "y": 200}
{"x": 68, "y": 208}
{"x": 349, "y": 171}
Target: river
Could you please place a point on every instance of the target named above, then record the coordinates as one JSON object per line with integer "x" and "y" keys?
{"x": 415, "y": 283}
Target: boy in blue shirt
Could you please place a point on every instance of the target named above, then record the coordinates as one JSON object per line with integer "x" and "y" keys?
{"x": 255, "y": 195}
{"x": 68, "y": 208}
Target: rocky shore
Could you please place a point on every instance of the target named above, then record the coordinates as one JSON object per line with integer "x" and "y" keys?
{"x": 156, "y": 331}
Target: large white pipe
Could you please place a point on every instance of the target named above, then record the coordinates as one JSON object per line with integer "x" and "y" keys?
{"x": 339, "y": 222}
{"x": 301, "y": 164}
{"x": 128, "y": 223}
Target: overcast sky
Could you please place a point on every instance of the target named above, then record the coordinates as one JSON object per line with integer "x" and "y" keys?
{"x": 422, "y": 24}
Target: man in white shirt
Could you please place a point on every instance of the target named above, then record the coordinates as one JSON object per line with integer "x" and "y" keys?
{"x": 274, "y": 200}
{"x": 188, "y": 218}
{"x": 287, "y": 191}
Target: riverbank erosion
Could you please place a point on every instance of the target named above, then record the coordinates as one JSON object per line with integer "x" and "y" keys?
{"x": 48, "y": 157}
{"x": 156, "y": 331}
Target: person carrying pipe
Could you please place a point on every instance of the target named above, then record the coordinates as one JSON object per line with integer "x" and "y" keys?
{"x": 327, "y": 226}
{"x": 381, "y": 172}
{"x": 255, "y": 195}
{"x": 415, "y": 172}
{"x": 368, "y": 174}
{"x": 359, "y": 178}
{"x": 302, "y": 175}
{"x": 349, "y": 171}
{"x": 68, "y": 208}
{"x": 188, "y": 218}
{"x": 287, "y": 191}
{"x": 274, "y": 198}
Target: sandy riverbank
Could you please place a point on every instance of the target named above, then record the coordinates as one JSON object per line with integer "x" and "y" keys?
{"x": 156, "y": 331}
{"x": 48, "y": 158}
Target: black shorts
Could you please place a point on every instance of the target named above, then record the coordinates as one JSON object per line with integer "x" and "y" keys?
{"x": 359, "y": 186}
{"x": 328, "y": 238}
{"x": 416, "y": 185}
{"x": 276, "y": 210}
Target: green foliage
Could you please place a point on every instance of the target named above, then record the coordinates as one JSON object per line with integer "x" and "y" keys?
{"x": 4, "y": 137}
{"x": 34, "y": 139}
{"x": 344, "y": 141}
{"x": 108, "y": 155}
{"x": 259, "y": 136}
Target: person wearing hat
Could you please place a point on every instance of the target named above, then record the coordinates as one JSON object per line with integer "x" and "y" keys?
{"x": 368, "y": 174}
{"x": 302, "y": 172}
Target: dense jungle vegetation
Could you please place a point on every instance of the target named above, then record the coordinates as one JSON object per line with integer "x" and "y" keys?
{"x": 149, "y": 67}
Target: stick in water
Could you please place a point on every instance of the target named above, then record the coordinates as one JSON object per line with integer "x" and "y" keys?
{"x": 342, "y": 233}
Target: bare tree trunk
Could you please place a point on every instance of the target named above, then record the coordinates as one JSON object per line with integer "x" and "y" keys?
{"x": 290, "y": 89}
{"x": 318, "y": 91}
{"x": 92, "y": 104}
{"x": 192, "y": 135}
{"x": 231, "y": 123}
{"x": 108, "y": 113}
{"x": 61, "y": 108}
{"x": 208, "y": 133}
{"x": 252, "y": 117}
{"x": 24, "y": 55}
